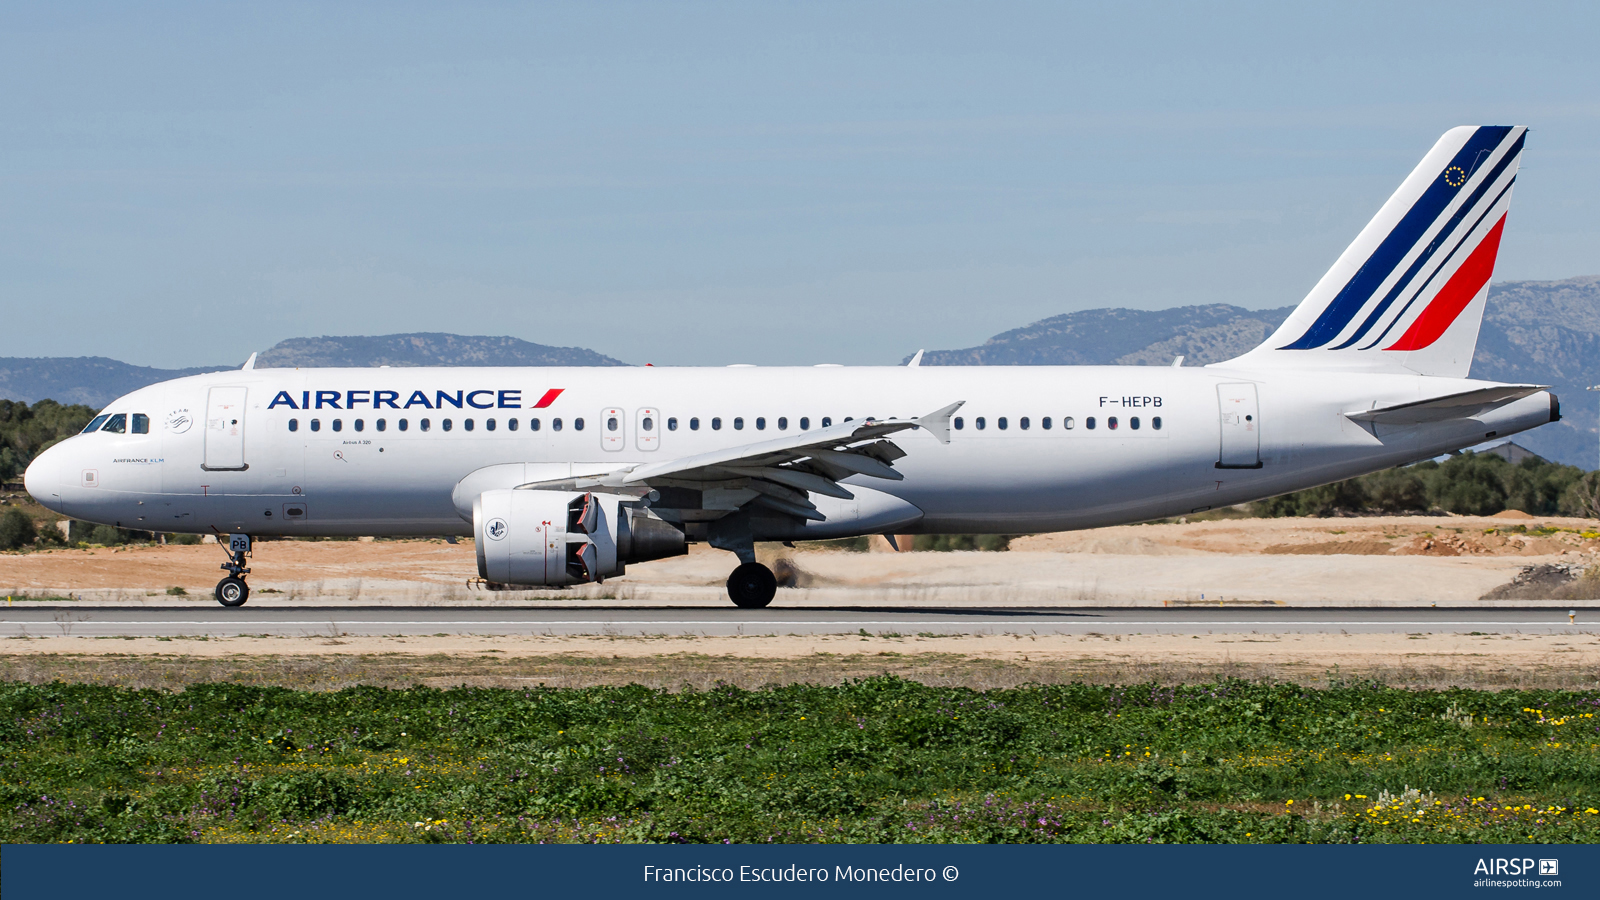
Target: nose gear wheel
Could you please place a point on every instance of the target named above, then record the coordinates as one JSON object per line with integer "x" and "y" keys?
{"x": 232, "y": 591}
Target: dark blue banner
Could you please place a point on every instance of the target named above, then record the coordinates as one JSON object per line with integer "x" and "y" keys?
{"x": 32, "y": 872}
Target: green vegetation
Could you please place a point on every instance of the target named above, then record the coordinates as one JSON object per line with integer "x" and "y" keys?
{"x": 26, "y": 431}
{"x": 879, "y": 759}
{"x": 17, "y": 530}
{"x": 1478, "y": 484}
{"x": 946, "y": 542}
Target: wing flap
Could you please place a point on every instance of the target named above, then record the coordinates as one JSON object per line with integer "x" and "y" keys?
{"x": 779, "y": 474}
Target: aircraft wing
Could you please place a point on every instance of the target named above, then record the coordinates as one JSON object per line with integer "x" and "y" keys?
{"x": 779, "y": 473}
{"x": 1464, "y": 405}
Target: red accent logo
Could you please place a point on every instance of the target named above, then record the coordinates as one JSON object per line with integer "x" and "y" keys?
{"x": 548, "y": 398}
{"x": 1465, "y": 284}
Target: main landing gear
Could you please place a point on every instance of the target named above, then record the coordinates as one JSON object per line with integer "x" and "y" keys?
{"x": 752, "y": 586}
{"x": 233, "y": 591}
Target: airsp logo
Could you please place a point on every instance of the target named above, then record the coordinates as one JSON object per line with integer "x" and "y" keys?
{"x": 179, "y": 420}
{"x": 496, "y": 529}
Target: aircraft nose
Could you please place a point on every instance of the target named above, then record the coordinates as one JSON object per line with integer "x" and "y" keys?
{"x": 44, "y": 478}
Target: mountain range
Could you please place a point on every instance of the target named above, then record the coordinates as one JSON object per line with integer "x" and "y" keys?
{"x": 1541, "y": 332}
{"x": 96, "y": 380}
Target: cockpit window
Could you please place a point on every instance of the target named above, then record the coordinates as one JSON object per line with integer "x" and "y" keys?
{"x": 141, "y": 423}
{"x": 117, "y": 424}
{"x": 94, "y": 425}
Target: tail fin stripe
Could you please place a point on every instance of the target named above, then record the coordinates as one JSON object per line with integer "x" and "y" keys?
{"x": 1439, "y": 239}
{"x": 1400, "y": 316}
{"x": 1394, "y": 247}
{"x": 1465, "y": 284}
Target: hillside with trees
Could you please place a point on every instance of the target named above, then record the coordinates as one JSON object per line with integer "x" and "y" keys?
{"x": 26, "y": 430}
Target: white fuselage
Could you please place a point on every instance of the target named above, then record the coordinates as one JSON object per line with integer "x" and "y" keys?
{"x": 251, "y": 460}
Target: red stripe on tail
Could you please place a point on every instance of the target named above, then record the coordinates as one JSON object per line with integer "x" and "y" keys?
{"x": 1465, "y": 284}
{"x": 548, "y": 398}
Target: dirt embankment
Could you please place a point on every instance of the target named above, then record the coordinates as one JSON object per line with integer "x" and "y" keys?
{"x": 1404, "y": 561}
{"x": 1510, "y": 533}
{"x": 980, "y": 661}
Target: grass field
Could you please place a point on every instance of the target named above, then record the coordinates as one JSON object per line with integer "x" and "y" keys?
{"x": 875, "y": 759}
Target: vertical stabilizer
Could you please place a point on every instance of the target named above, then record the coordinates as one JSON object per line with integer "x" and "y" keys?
{"x": 1407, "y": 295}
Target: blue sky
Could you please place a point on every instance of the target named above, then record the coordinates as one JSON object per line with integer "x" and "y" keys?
{"x": 756, "y": 182}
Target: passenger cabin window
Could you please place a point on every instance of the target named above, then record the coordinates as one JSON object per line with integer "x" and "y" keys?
{"x": 783, "y": 423}
{"x": 827, "y": 421}
{"x": 960, "y": 423}
{"x": 577, "y": 424}
{"x": 1133, "y": 423}
{"x": 761, "y": 423}
{"x": 716, "y": 423}
{"x": 511, "y": 424}
{"x": 555, "y": 424}
{"x": 117, "y": 424}
{"x": 738, "y": 423}
{"x": 361, "y": 425}
{"x": 94, "y": 424}
{"x": 1111, "y": 422}
{"x": 1156, "y": 423}
{"x": 1089, "y": 423}
{"x": 805, "y": 423}
{"x": 316, "y": 424}
{"x": 1021, "y": 423}
{"x": 694, "y": 423}
{"x": 467, "y": 424}
{"x": 980, "y": 422}
{"x": 141, "y": 423}
{"x": 424, "y": 425}
{"x": 647, "y": 424}
{"x": 672, "y": 423}
{"x": 294, "y": 424}
{"x": 488, "y": 424}
{"x": 383, "y": 425}
{"x": 611, "y": 423}
{"x": 446, "y": 424}
{"x": 1002, "y": 423}
{"x": 1068, "y": 423}
{"x": 533, "y": 424}
{"x": 404, "y": 424}
{"x": 1045, "y": 423}
{"x": 338, "y": 424}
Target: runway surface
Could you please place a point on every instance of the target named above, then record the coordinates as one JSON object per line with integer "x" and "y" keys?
{"x": 373, "y": 621}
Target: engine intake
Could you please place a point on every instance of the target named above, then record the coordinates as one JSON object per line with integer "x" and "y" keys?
{"x": 556, "y": 537}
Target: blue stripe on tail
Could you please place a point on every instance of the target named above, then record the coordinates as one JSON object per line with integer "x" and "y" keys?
{"x": 1438, "y": 240}
{"x": 1399, "y": 241}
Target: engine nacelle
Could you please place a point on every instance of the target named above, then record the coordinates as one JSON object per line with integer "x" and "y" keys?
{"x": 559, "y": 537}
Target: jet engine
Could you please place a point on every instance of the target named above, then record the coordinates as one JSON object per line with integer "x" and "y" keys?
{"x": 532, "y": 537}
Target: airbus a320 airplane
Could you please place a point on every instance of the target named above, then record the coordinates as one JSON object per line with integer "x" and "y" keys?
{"x": 567, "y": 475}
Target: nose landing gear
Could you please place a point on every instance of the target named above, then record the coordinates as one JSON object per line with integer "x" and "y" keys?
{"x": 233, "y": 591}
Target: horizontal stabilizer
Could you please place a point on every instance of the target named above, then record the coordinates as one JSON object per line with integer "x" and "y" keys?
{"x": 1452, "y": 406}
